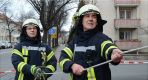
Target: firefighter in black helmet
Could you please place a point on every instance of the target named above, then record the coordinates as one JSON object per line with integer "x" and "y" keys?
{"x": 89, "y": 46}
{"x": 31, "y": 58}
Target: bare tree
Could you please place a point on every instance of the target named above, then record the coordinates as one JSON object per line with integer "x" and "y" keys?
{"x": 51, "y": 13}
{"x": 75, "y": 21}
{"x": 9, "y": 27}
{"x": 81, "y": 3}
{"x": 3, "y": 4}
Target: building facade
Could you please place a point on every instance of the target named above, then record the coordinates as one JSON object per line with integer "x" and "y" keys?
{"x": 6, "y": 25}
{"x": 127, "y": 22}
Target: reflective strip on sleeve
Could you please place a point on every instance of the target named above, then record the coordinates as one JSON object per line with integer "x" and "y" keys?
{"x": 91, "y": 74}
{"x": 33, "y": 67}
{"x": 68, "y": 52}
{"x": 51, "y": 68}
{"x": 50, "y": 55}
{"x": 106, "y": 52}
{"x": 62, "y": 63}
{"x": 103, "y": 45}
{"x": 20, "y": 66}
{"x": 17, "y": 52}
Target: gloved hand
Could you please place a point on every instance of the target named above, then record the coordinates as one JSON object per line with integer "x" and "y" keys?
{"x": 38, "y": 73}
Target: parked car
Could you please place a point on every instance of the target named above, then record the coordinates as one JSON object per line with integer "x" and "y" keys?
{"x": 5, "y": 44}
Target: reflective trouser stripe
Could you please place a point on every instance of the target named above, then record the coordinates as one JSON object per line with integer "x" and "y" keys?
{"x": 91, "y": 74}
{"x": 21, "y": 76}
{"x": 62, "y": 63}
{"x": 106, "y": 52}
{"x": 50, "y": 55}
{"x": 51, "y": 68}
{"x": 68, "y": 52}
{"x": 103, "y": 45}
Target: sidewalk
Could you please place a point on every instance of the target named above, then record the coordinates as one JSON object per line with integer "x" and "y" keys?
{"x": 61, "y": 75}
{"x": 58, "y": 50}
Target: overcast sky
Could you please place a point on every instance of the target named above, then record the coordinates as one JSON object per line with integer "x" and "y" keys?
{"x": 19, "y": 6}
{"x": 71, "y": 13}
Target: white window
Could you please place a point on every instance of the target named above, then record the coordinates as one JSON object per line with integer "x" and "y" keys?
{"x": 125, "y": 13}
{"x": 125, "y": 35}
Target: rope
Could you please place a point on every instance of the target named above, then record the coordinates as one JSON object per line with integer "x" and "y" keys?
{"x": 136, "y": 49}
{"x": 111, "y": 60}
{"x": 55, "y": 73}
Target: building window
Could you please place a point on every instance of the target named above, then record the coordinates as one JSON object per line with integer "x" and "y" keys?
{"x": 128, "y": 14}
{"x": 125, "y": 13}
{"x": 122, "y": 14}
{"x": 125, "y": 35}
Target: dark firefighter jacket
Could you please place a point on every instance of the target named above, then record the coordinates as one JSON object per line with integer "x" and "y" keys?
{"x": 27, "y": 54}
{"x": 88, "y": 49}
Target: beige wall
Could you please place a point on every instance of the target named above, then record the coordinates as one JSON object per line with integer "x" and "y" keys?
{"x": 143, "y": 14}
{"x": 108, "y": 12}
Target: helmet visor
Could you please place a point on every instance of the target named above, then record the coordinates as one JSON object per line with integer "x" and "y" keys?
{"x": 90, "y": 11}
{"x": 31, "y": 24}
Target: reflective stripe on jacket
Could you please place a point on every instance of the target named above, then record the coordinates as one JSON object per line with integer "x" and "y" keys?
{"x": 25, "y": 58}
{"x": 87, "y": 53}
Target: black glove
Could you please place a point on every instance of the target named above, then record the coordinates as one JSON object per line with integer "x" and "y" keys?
{"x": 39, "y": 74}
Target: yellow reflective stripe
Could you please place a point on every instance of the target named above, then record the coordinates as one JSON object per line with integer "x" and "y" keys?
{"x": 103, "y": 45}
{"x": 62, "y": 63}
{"x": 71, "y": 76}
{"x": 32, "y": 69}
{"x": 50, "y": 55}
{"x": 21, "y": 76}
{"x": 68, "y": 51}
{"x": 106, "y": 52}
{"x": 51, "y": 68}
{"x": 20, "y": 66}
{"x": 26, "y": 58}
{"x": 25, "y": 52}
{"x": 17, "y": 52}
{"x": 91, "y": 74}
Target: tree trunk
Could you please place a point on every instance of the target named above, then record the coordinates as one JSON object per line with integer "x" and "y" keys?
{"x": 45, "y": 36}
{"x": 9, "y": 36}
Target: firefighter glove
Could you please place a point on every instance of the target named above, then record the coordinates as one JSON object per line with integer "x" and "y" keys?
{"x": 38, "y": 74}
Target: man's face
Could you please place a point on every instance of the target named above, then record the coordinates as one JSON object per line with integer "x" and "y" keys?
{"x": 31, "y": 31}
{"x": 89, "y": 21}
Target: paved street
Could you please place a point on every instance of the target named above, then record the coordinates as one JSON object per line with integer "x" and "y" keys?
{"x": 130, "y": 72}
{"x": 120, "y": 72}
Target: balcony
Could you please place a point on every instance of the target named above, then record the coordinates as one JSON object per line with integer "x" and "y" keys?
{"x": 126, "y": 23}
{"x": 128, "y": 44}
{"x": 127, "y": 2}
